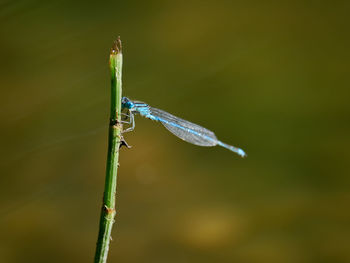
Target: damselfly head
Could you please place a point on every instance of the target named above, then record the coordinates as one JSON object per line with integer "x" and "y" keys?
{"x": 126, "y": 103}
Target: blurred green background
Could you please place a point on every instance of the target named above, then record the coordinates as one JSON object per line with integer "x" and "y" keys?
{"x": 272, "y": 78}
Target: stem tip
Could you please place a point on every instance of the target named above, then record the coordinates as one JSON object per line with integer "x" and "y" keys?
{"x": 117, "y": 46}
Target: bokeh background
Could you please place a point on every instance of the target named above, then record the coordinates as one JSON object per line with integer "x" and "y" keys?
{"x": 270, "y": 77}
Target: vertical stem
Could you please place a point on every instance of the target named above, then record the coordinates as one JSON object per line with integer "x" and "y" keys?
{"x": 114, "y": 138}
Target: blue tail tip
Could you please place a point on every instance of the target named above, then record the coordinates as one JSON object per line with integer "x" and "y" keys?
{"x": 241, "y": 153}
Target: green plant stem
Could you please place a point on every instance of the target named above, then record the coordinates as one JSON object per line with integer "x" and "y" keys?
{"x": 114, "y": 139}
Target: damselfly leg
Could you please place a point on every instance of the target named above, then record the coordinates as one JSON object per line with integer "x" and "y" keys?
{"x": 131, "y": 121}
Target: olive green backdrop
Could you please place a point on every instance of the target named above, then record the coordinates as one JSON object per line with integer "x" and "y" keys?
{"x": 270, "y": 77}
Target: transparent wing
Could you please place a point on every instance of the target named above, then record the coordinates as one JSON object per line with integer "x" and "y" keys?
{"x": 185, "y": 130}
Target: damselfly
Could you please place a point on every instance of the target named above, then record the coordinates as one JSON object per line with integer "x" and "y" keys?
{"x": 183, "y": 129}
